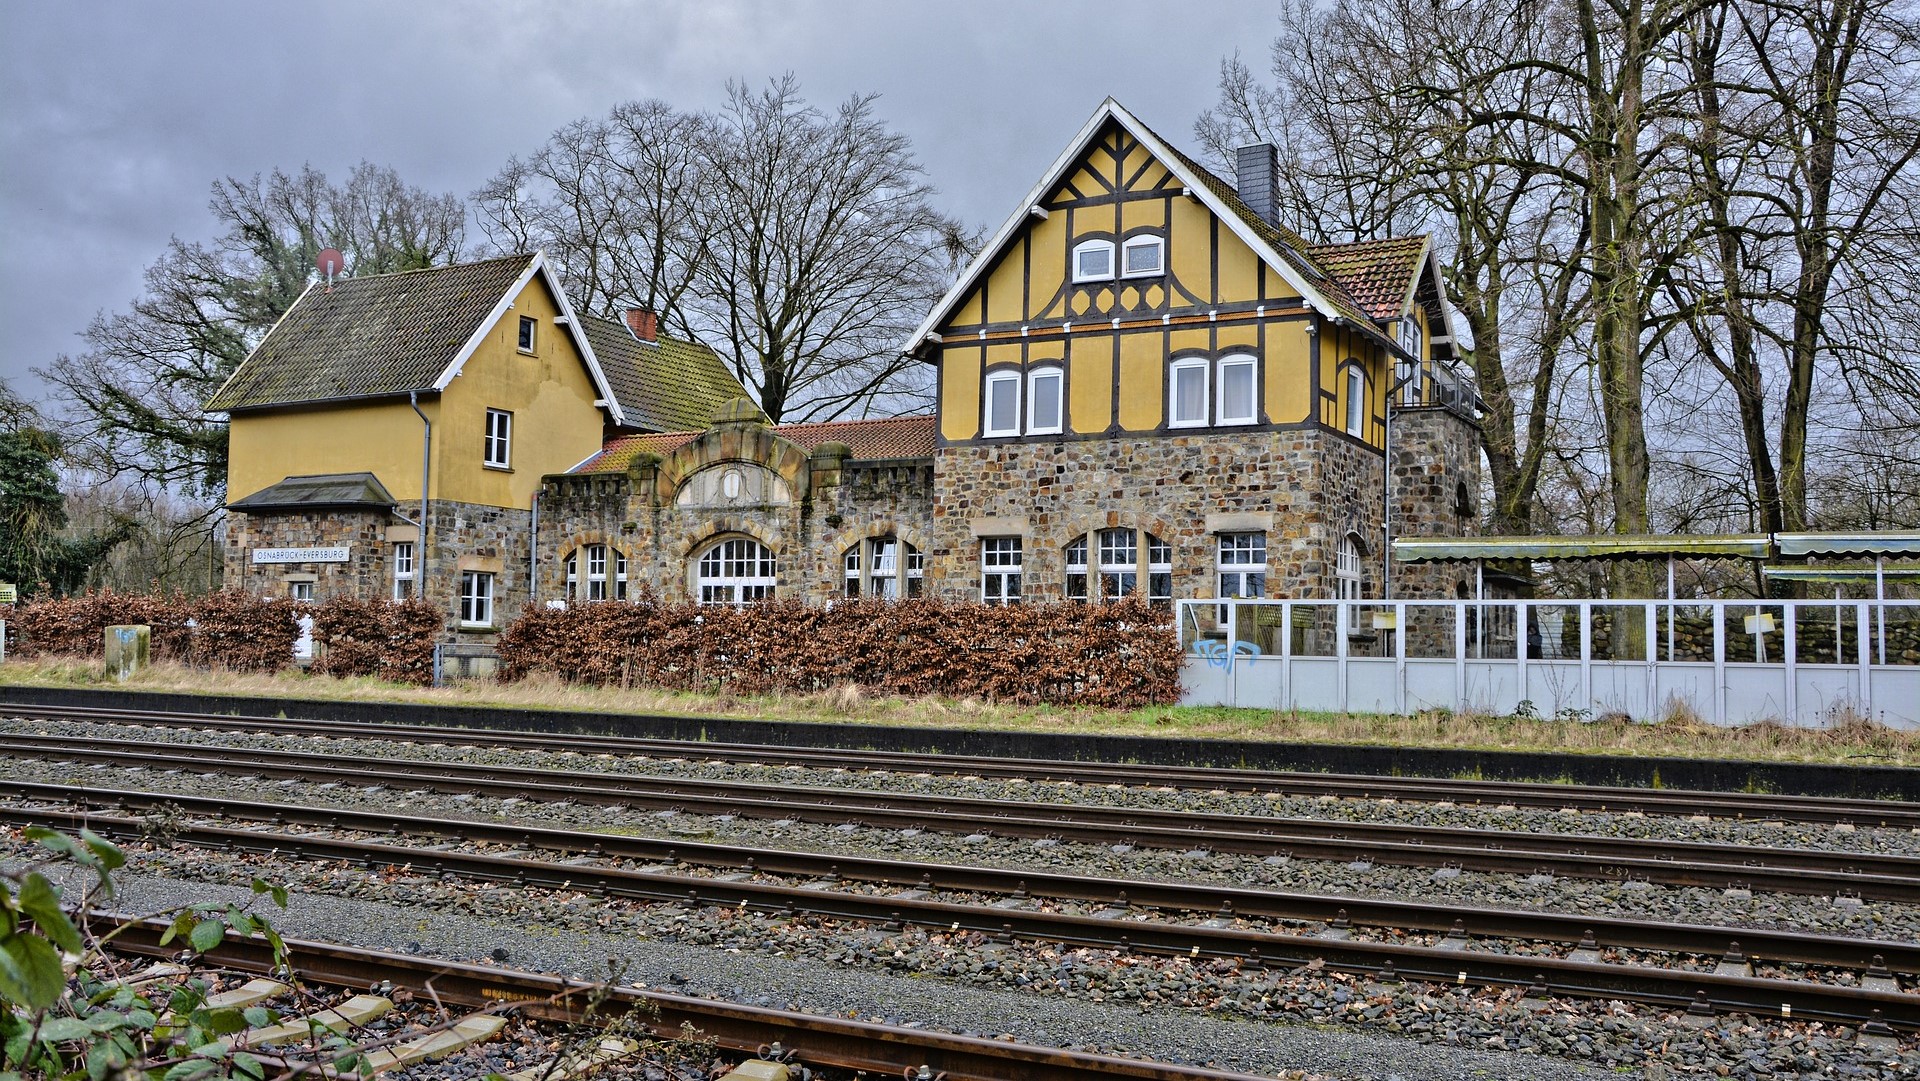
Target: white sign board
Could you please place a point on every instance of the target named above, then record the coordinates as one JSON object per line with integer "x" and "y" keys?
{"x": 302, "y": 555}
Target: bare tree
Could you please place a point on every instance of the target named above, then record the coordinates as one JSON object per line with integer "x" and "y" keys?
{"x": 801, "y": 245}
{"x": 133, "y": 399}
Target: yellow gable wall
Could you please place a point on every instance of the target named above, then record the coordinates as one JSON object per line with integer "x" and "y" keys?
{"x": 378, "y": 437}
{"x": 550, "y": 394}
{"x": 1032, "y": 312}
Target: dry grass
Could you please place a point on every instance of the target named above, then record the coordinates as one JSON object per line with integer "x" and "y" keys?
{"x": 1850, "y": 739}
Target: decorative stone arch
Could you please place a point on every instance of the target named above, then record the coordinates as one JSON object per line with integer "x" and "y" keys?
{"x": 739, "y": 434}
{"x": 579, "y": 539}
{"x": 1081, "y": 525}
{"x": 834, "y": 546}
{"x": 713, "y": 531}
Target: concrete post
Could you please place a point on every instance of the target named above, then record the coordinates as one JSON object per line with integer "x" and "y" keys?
{"x": 127, "y": 649}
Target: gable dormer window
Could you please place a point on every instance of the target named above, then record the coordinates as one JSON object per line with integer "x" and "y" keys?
{"x": 1093, "y": 261}
{"x": 1143, "y": 257}
{"x": 527, "y": 325}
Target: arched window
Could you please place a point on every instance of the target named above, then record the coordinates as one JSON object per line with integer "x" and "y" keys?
{"x": 738, "y": 570}
{"x": 1118, "y": 567}
{"x": 596, "y": 572}
{"x": 874, "y": 568}
{"x": 1346, "y": 568}
{"x": 1093, "y": 261}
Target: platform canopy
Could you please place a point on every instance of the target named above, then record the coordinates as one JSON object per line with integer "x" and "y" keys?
{"x": 1865, "y": 543}
{"x": 1605, "y": 546}
{"x": 1840, "y": 575}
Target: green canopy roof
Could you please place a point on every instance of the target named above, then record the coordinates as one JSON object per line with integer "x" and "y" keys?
{"x": 1622, "y": 546}
{"x": 1865, "y": 543}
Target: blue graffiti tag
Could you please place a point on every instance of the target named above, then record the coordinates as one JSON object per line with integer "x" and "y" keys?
{"x": 1219, "y": 655}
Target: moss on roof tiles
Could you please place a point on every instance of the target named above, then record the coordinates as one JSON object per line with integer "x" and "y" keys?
{"x": 665, "y": 386}
{"x": 379, "y": 335}
{"x": 1377, "y": 273}
{"x": 317, "y": 491}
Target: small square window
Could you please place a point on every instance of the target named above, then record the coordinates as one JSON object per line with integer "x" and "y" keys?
{"x": 1143, "y": 257}
{"x": 527, "y": 324}
{"x": 1093, "y": 261}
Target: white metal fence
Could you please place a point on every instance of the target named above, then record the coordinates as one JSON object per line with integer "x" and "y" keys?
{"x": 1728, "y": 662}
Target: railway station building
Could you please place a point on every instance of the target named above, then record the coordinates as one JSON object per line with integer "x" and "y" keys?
{"x": 1146, "y": 385}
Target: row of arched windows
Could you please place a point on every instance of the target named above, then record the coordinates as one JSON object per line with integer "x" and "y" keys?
{"x": 1104, "y": 565}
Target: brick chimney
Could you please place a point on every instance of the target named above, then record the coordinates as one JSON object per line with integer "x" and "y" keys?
{"x": 644, "y": 324}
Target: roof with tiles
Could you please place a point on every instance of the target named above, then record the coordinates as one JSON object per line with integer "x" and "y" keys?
{"x": 1378, "y": 274}
{"x": 381, "y": 335}
{"x": 666, "y": 385}
{"x": 870, "y": 440}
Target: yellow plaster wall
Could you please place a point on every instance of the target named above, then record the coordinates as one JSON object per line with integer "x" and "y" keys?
{"x": 1090, "y": 382}
{"x": 1003, "y": 285}
{"x": 1289, "y": 373}
{"x": 382, "y": 438}
{"x": 1143, "y": 365}
{"x": 550, "y": 394}
{"x": 960, "y": 391}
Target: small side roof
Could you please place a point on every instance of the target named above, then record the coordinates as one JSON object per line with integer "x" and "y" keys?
{"x": 319, "y": 491}
{"x": 667, "y": 385}
{"x": 1902, "y": 543}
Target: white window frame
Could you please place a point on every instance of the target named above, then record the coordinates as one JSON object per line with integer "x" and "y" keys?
{"x": 476, "y": 598}
{"x": 1002, "y": 563}
{"x": 1137, "y": 243}
{"x": 301, "y": 590}
{"x": 1241, "y": 558}
{"x": 405, "y": 572}
{"x": 722, "y": 565}
{"x": 497, "y": 452}
{"x": 1089, "y": 246}
{"x": 1252, "y": 415}
{"x": 1159, "y": 569}
{"x": 1035, "y": 424}
{"x": 883, "y": 568}
{"x": 529, "y": 334}
{"x": 1410, "y": 336}
{"x": 1356, "y": 401}
{"x": 1001, "y": 376}
{"x": 1201, "y": 365}
{"x": 1347, "y": 569}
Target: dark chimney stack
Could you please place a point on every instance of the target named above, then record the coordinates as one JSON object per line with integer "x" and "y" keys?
{"x": 1257, "y": 176}
{"x": 644, "y": 324}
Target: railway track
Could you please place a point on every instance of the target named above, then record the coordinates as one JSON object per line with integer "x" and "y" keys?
{"x": 813, "y": 1039}
{"x": 1684, "y": 803}
{"x": 1673, "y": 863}
{"x": 594, "y": 866}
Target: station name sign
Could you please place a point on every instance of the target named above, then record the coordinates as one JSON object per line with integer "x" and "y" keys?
{"x": 302, "y": 555}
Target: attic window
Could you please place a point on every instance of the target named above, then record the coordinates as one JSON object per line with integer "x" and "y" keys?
{"x": 1093, "y": 261}
{"x": 1143, "y": 257}
{"x": 527, "y": 323}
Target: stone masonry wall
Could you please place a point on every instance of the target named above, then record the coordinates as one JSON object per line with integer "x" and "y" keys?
{"x": 363, "y": 532}
{"x": 837, "y": 505}
{"x": 1304, "y": 488}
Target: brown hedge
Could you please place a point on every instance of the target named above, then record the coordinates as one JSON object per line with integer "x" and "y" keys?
{"x": 1115, "y": 655}
{"x": 393, "y": 641}
{"x": 237, "y": 631}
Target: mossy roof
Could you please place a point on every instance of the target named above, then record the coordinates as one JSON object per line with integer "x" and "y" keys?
{"x": 888, "y": 439}
{"x": 667, "y": 385}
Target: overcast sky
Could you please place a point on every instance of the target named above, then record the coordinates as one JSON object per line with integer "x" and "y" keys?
{"x": 115, "y": 118}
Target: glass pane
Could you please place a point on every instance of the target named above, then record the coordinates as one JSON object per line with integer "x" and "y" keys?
{"x": 1190, "y": 395}
{"x": 1096, "y": 262}
{"x": 1003, "y": 407}
{"x": 1143, "y": 258}
{"x": 1046, "y": 400}
{"x": 1236, "y": 392}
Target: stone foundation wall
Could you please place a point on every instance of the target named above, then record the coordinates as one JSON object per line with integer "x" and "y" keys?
{"x": 1305, "y": 489}
{"x": 363, "y": 532}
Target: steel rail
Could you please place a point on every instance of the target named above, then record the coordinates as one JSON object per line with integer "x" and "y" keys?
{"x": 816, "y": 1039}
{"x": 1661, "y": 987}
{"x": 1807, "y": 809}
{"x": 1879, "y": 955}
{"x": 1715, "y": 866}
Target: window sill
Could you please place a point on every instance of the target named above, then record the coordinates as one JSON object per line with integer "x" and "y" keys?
{"x": 1138, "y": 274}
{"x": 479, "y": 628}
{"x": 999, "y": 435}
{"x": 1046, "y": 431}
{"x": 1092, "y": 281}
{"x": 496, "y": 468}
{"x": 1187, "y": 424}
{"x": 526, "y": 352}
{"x": 1240, "y": 422}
